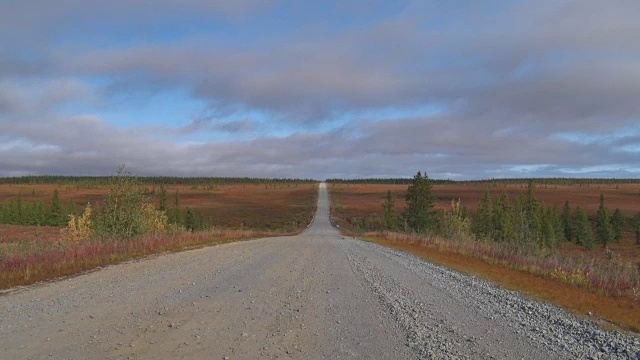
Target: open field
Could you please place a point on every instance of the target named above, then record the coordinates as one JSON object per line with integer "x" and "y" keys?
{"x": 369, "y": 197}
{"x": 283, "y": 207}
{"x": 597, "y": 281}
{"x": 351, "y": 202}
{"x": 237, "y": 211}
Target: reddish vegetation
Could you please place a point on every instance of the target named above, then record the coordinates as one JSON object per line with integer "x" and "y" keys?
{"x": 14, "y": 233}
{"x": 21, "y": 269}
{"x": 597, "y": 281}
{"x": 612, "y": 277}
{"x": 276, "y": 206}
{"x": 369, "y": 197}
{"x": 621, "y": 311}
{"x": 238, "y": 211}
{"x": 366, "y": 199}
{"x": 254, "y": 206}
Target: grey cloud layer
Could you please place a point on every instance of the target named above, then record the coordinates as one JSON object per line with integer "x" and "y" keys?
{"x": 508, "y": 79}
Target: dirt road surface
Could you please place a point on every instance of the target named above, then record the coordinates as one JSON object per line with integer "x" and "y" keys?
{"x": 312, "y": 296}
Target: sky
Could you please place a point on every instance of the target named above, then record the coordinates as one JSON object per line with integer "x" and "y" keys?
{"x": 320, "y": 89}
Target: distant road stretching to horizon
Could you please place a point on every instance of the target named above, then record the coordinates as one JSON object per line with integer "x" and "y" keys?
{"x": 317, "y": 295}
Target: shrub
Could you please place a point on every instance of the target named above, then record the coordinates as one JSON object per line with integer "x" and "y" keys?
{"x": 122, "y": 215}
{"x": 156, "y": 221}
{"x": 454, "y": 224}
{"x": 79, "y": 229}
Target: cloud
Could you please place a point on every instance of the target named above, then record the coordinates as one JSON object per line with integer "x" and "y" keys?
{"x": 218, "y": 121}
{"x": 309, "y": 83}
{"x": 88, "y": 145}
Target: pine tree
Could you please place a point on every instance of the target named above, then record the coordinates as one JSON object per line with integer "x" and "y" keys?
{"x": 420, "y": 202}
{"x": 637, "y": 226}
{"x": 533, "y": 214}
{"x": 389, "y": 215}
{"x": 364, "y": 225}
{"x": 502, "y": 224}
{"x": 190, "y": 219}
{"x": 556, "y": 222}
{"x": 72, "y": 208}
{"x": 39, "y": 214}
{"x": 617, "y": 225}
{"x": 551, "y": 226}
{"x": 567, "y": 221}
{"x": 528, "y": 217}
{"x": 21, "y": 219}
{"x": 163, "y": 198}
{"x": 583, "y": 232}
{"x": 175, "y": 214}
{"x": 12, "y": 212}
{"x": 56, "y": 213}
{"x": 483, "y": 220}
{"x": 603, "y": 225}
{"x": 531, "y": 201}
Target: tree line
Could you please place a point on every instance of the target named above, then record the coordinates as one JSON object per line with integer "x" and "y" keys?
{"x": 500, "y": 181}
{"x": 126, "y": 198}
{"x": 20, "y": 212}
{"x": 524, "y": 220}
{"x": 93, "y": 181}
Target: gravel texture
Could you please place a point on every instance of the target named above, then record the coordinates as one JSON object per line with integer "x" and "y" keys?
{"x": 313, "y": 296}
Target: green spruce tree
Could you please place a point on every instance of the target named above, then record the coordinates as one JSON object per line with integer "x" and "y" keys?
{"x": 190, "y": 219}
{"x": 39, "y": 216}
{"x": 502, "y": 224}
{"x": 21, "y": 217}
{"x": 56, "y": 216}
{"x": 567, "y": 221}
{"x": 389, "y": 217}
{"x": 175, "y": 214}
{"x": 420, "y": 201}
{"x": 163, "y": 198}
{"x": 583, "y": 231}
{"x": 637, "y": 228}
{"x": 483, "y": 221}
{"x": 617, "y": 225}
{"x": 72, "y": 208}
{"x": 603, "y": 224}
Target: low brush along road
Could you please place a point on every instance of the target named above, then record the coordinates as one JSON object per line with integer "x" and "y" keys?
{"x": 312, "y": 296}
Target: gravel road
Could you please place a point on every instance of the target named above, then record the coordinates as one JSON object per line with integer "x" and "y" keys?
{"x": 313, "y": 296}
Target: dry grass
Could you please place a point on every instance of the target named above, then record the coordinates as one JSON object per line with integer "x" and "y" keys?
{"x": 255, "y": 206}
{"x": 31, "y": 254}
{"x": 622, "y": 311}
{"x": 274, "y": 207}
{"x": 369, "y": 197}
{"x": 54, "y": 261}
{"x": 612, "y": 277}
{"x": 353, "y": 201}
{"x": 605, "y": 283}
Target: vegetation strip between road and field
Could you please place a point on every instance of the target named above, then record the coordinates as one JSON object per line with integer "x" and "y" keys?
{"x": 581, "y": 260}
